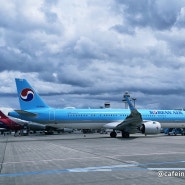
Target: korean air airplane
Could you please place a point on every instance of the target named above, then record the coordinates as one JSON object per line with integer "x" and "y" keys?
{"x": 33, "y": 108}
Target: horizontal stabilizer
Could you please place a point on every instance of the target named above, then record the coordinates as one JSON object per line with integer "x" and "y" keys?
{"x": 26, "y": 113}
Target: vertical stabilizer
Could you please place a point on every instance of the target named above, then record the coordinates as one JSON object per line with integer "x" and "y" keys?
{"x": 28, "y": 97}
{"x": 2, "y": 115}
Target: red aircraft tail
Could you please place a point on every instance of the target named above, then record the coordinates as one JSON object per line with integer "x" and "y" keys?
{"x": 2, "y": 115}
{"x": 10, "y": 124}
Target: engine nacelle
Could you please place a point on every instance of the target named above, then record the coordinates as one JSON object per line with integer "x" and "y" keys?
{"x": 150, "y": 127}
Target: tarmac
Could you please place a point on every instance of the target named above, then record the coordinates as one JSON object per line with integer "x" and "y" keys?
{"x": 78, "y": 159}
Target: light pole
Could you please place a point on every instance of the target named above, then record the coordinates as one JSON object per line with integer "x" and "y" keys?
{"x": 134, "y": 99}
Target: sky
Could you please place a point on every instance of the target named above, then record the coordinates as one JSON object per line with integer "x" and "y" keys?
{"x": 82, "y": 53}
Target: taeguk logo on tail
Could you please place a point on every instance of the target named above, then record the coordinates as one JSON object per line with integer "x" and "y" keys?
{"x": 27, "y": 94}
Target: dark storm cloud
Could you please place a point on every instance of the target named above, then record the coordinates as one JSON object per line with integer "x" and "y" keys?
{"x": 155, "y": 14}
{"x": 93, "y": 51}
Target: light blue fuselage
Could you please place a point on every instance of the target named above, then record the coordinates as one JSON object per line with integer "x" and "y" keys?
{"x": 97, "y": 118}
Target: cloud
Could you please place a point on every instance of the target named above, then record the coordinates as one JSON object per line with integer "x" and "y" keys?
{"x": 87, "y": 52}
{"x": 158, "y": 15}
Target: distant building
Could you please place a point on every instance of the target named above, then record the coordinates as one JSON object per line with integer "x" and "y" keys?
{"x": 107, "y": 105}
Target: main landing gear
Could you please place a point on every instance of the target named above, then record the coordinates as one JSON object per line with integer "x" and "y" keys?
{"x": 113, "y": 134}
{"x": 124, "y": 134}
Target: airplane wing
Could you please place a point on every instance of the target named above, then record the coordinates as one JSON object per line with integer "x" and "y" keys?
{"x": 131, "y": 123}
{"x": 133, "y": 120}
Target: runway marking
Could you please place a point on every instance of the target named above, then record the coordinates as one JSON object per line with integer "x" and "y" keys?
{"x": 95, "y": 157}
{"x": 130, "y": 167}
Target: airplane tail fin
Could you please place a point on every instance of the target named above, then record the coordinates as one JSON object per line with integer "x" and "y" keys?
{"x": 2, "y": 115}
{"x": 28, "y": 97}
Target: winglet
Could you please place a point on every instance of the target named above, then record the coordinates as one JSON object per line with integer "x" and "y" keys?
{"x": 126, "y": 96}
{"x": 133, "y": 120}
{"x": 134, "y": 112}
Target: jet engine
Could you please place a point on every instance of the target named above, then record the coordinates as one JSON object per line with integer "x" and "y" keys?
{"x": 150, "y": 127}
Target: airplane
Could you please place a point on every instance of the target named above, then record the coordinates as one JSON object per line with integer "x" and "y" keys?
{"x": 12, "y": 124}
{"x": 33, "y": 108}
{"x": 7, "y": 124}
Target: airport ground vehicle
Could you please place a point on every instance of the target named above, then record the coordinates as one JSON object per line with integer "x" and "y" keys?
{"x": 174, "y": 131}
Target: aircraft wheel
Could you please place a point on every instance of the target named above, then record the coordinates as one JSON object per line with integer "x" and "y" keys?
{"x": 113, "y": 134}
{"x": 125, "y": 134}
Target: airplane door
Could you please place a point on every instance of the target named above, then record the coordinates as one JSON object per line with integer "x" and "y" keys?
{"x": 51, "y": 116}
